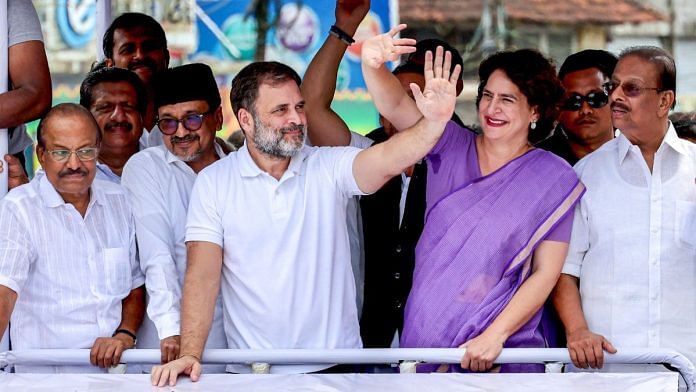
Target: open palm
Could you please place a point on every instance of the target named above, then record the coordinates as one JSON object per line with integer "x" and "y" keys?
{"x": 437, "y": 100}
{"x": 384, "y": 47}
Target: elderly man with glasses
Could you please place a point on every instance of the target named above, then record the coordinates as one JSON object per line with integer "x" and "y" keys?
{"x": 585, "y": 120}
{"x": 160, "y": 180}
{"x": 69, "y": 276}
{"x": 629, "y": 279}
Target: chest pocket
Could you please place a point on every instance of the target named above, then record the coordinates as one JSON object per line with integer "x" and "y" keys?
{"x": 117, "y": 271}
{"x": 685, "y": 223}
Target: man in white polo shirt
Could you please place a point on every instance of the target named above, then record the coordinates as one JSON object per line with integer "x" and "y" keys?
{"x": 270, "y": 220}
{"x": 69, "y": 275}
{"x": 159, "y": 180}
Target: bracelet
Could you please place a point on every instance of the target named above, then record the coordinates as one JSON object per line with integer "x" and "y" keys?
{"x": 342, "y": 35}
{"x": 126, "y": 332}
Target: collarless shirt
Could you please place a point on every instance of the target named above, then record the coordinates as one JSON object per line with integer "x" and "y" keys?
{"x": 70, "y": 273}
{"x": 633, "y": 244}
{"x": 286, "y": 275}
{"x": 160, "y": 185}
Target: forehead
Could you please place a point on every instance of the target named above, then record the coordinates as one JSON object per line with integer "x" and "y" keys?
{"x": 133, "y": 35}
{"x": 69, "y": 129}
{"x": 271, "y": 95}
{"x": 583, "y": 81}
{"x": 181, "y": 108}
{"x": 635, "y": 68}
{"x": 108, "y": 91}
{"x": 500, "y": 83}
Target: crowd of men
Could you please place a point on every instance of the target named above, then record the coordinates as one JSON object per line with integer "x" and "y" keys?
{"x": 144, "y": 230}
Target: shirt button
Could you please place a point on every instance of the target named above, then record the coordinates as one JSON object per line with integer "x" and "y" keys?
{"x": 398, "y": 249}
{"x": 397, "y": 275}
{"x": 654, "y": 229}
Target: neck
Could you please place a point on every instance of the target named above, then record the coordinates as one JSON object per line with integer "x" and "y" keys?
{"x": 205, "y": 160}
{"x": 275, "y": 166}
{"x": 582, "y": 147}
{"x": 493, "y": 154}
{"x": 79, "y": 200}
{"x": 648, "y": 140}
{"x": 116, "y": 158}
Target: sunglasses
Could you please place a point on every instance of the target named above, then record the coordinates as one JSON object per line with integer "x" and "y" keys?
{"x": 595, "y": 99}
{"x": 191, "y": 122}
{"x": 631, "y": 89}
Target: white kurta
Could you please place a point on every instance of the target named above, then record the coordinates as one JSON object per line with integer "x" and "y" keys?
{"x": 160, "y": 184}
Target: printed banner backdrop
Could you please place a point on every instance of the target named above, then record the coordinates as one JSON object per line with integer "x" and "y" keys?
{"x": 301, "y": 28}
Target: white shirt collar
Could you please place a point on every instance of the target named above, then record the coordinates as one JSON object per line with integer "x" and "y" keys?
{"x": 671, "y": 139}
{"x": 249, "y": 168}
{"x": 53, "y": 199}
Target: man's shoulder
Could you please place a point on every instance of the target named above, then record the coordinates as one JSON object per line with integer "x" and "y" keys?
{"x": 109, "y": 188}
{"x": 22, "y": 192}
{"x": 603, "y": 156}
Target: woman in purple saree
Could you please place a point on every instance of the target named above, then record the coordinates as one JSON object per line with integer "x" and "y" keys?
{"x": 498, "y": 216}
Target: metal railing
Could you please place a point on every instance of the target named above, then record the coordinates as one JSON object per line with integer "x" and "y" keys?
{"x": 406, "y": 357}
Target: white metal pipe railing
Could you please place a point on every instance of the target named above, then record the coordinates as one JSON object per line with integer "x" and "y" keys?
{"x": 671, "y": 358}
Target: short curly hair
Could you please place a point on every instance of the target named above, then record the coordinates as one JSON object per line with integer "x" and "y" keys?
{"x": 535, "y": 76}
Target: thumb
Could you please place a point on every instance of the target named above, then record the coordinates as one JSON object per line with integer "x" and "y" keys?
{"x": 608, "y": 347}
{"x": 417, "y": 94}
{"x": 196, "y": 371}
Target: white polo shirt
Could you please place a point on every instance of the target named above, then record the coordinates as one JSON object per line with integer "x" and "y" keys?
{"x": 160, "y": 184}
{"x": 286, "y": 277}
{"x": 633, "y": 244}
{"x": 70, "y": 273}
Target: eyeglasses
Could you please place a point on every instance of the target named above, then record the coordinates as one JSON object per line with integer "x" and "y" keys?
{"x": 191, "y": 122}
{"x": 595, "y": 99}
{"x": 83, "y": 154}
{"x": 631, "y": 89}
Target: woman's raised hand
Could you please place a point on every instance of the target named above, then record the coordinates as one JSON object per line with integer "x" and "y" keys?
{"x": 437, "y": 100}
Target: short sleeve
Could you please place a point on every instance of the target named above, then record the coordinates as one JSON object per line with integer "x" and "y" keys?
{"x": 23, "y": 22}
{"x": 579, "y": 242}
{"x": 452, "y": 137}
{"x": 16, "y": 254}
{"x": 342, "y": 159}
{"x": 204, "y": 222}
{"x": 561, "y": 233}
{"x": 360, "y": 141}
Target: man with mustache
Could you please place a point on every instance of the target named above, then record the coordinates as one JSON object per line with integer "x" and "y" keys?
{"x": 266, "y": 226}
{"x": 138, "y": 43}
{"x": 117, "y": 99}
{"x": 160, "y": 180}
{"x": 629, "y": 279}
{"x": 69, "y": 275}
{"x": 585, "y": 119}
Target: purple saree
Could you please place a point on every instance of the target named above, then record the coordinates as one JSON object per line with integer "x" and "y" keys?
{"x": 478, "y": 241}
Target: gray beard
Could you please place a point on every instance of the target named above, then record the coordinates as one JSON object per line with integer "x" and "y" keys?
{"x": 271, "y": 141}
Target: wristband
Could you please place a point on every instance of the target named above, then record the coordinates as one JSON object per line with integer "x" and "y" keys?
{"x": 126, "y": 332}
{"x": 342, "y": 35}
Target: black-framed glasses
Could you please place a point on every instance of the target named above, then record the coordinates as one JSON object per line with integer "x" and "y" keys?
{"x": 83, "y": 154}
{"x": 631, "y": 89}
{"x": 191, "y": 122}
{"x": 595, "y": 99}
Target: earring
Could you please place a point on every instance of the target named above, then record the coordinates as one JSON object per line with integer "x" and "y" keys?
{"x": 533, "y": 125}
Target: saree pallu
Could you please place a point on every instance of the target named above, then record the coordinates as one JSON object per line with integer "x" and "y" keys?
{"x": 476, "y": 251}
